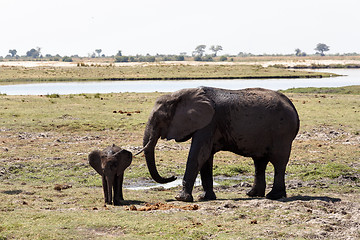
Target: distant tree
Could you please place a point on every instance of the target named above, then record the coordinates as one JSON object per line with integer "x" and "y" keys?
{"x": 119, "y": 54}
{"x": 34, "y": 53}
{"x": 299, "y": 53}
{"x": 98, "y": 51}
{"x": 199, "y": 50}
{"x": 216, "y": 49}
{"x": 13, "y": 52}
{"x": 321, "y": 48}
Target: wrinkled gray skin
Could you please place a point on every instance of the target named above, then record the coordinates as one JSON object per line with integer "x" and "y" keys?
{"x": 256, "y": 123}
{"x": 111, "y": 164}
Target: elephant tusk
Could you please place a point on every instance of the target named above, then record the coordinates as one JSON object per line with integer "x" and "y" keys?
{"x": 143, "y": 149}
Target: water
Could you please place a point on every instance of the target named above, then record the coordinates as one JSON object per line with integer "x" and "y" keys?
{"x": 352, "y": 78}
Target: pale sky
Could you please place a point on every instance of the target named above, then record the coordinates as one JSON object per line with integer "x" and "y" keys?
{"x": 69, "y": 27}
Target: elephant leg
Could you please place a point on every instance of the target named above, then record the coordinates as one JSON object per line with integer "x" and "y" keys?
{"x": 258, "y": 189}
{"x": 200, "y": 152}
{"x": 105, "y": 189}
{"x": 191, "y": 172}
{"x": 206, "y": 173}
{"x": 118, "y": 196}
{"x": 279, "y": 162}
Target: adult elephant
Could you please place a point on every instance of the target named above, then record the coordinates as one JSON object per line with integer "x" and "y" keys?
{"x": 111, "y": 163}
{"x": 256, "y": 123}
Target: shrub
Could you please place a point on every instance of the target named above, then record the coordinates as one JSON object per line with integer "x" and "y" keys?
{"x": 67, "y": 59}
{"x": 54, "y": 95}
{"x": 223, "y": 58}
{"x": 121, "y": 59}
{"x": 197, "y": 58}
{"x": 208, "y": 58}
{"x": 179, "y": 58}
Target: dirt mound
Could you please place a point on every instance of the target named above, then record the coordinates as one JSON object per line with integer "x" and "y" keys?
{"x": 162, "y": 206}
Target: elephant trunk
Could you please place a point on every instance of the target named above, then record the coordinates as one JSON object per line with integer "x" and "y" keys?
{"x": 149, "y": 144}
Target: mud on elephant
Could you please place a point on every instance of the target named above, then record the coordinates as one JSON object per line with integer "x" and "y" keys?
{"x": 111, "y": 164}
{"x": 256, "y": 123}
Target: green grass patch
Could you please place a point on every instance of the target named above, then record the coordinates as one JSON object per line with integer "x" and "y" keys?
{"x": 336, "y": 90}
{"x": 147, "y": 72}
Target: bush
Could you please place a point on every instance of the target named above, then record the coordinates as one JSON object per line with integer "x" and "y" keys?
{"x": 223, "y": 58}
{"x": 179, "y": 58}
{"x": 67, "y": 59}
{"x": 121, "y": 59}
{"x": 208, "y": 58}
{"x": 197, "y": 58}
{"x": 54, "y": 95}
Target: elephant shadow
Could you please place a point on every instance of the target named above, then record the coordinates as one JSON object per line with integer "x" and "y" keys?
{"x": 309, "y": 198}
{"x": 131, "y": 202}
{"x": 295, "y": 198}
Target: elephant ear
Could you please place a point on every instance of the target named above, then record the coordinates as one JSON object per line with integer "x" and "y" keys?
{"x": 124, "y": 159}
{"x": 95, "y": 161}
{"x": 193, "y": 111}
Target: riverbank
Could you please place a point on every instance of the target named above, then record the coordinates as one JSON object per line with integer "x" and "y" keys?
{"x": 22, "y": 72}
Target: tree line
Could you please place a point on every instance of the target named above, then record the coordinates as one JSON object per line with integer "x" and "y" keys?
{"x": 199, "y": 54}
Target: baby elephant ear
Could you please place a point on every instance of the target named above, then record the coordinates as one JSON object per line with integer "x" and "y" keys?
{"x": 95, "y": 161}
{"x": 193, "y": 112}
{"x": 124, "y": 159}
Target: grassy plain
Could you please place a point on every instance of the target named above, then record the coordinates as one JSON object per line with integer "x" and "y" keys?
{"x": 45, "y": 140}
{"x": 153, "y": 71}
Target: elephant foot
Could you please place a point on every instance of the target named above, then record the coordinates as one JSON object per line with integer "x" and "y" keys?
{"x": 185, "y": 197}
{"x": 206, "y": 196}
{"x": 117, "y": 202}
{"x": 256, "y": 193}
{"x": 276, "y": 195}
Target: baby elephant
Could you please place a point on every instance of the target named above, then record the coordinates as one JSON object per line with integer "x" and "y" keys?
{"x": 111, "y": 164}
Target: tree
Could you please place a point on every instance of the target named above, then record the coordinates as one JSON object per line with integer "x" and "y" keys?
{"x": 321, "y": 48}
{"x": 34, "y": 53}
{"x": 119, "y": 54}
{"x": 299, "y": 53}
{"x": 216, "y": 49}
{"x": 98, "y": 51}
{"x": 13, "y": 52}
{"x": 200, "y": 50}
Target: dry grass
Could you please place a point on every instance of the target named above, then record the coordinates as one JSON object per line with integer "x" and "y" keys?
{"x": 45, "y": 141}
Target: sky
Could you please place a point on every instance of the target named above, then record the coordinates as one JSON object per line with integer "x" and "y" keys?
{"x": 70, "y": 27}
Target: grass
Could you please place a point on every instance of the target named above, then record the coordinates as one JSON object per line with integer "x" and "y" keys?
{"x": 155, "y": 71}
{"x": 355, "y": 90}
{"x": 45, "y": 141}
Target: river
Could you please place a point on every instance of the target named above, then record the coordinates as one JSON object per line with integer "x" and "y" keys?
{"x": 351, "y": 77}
